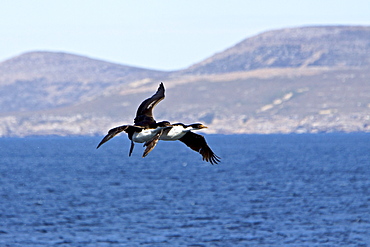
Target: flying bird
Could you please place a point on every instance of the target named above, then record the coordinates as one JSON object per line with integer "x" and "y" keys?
{"x": 182, "y": 132}
{"x": 145, "y": 128}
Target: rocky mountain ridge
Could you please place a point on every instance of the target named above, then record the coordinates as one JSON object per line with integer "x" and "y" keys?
{"x": 329, "y": 46}
{"x": 299, "y": 80}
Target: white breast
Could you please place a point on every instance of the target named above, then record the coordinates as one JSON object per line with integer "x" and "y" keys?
{"x": 144, "y": 135}
{"x": 173, "y": 134}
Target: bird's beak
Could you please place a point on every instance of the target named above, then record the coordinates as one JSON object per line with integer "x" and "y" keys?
{"x": 203, "y": 127}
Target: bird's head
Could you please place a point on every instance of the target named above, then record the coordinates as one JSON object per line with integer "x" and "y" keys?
{"x": 197, "y": 126}
{"x": 163, "y": 124}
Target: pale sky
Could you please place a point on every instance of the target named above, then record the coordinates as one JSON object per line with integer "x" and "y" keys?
{"x": 162, "y": 34}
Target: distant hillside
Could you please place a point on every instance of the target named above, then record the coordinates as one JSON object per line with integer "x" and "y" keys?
{"x": 298, "y": 80}
{"x": 44, "y": 80}
{"x": 328, "y": 46}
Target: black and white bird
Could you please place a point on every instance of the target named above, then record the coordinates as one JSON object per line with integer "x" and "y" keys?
{"x": 145, "y": 127}
{"x": 182, "y": 132}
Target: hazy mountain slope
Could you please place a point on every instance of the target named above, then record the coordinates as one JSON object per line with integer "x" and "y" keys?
{"x": 262, "y": 101}
{"x": 233, "y": 100}
{"x": 329, "y": 46}
{"x": 44, "y": 80}
{"x": 311, "y": 79}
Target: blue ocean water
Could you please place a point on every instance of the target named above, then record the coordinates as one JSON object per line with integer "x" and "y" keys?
{"x": 269, "y": 190}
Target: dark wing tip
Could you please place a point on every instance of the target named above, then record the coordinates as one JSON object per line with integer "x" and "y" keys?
{"x": 161, "y": 89}
{"x": 214, "y": 160}
{"x": 104, "y": 140}
{"x": 209, "y": 155}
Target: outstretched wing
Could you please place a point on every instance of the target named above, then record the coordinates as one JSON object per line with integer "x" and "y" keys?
{"x": 198, "y": 143}
{"x": 112, "y": 133}
{"x": 144, "y": 114}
